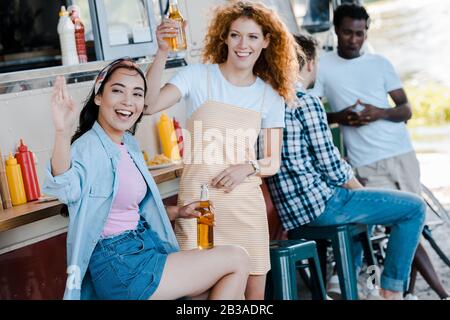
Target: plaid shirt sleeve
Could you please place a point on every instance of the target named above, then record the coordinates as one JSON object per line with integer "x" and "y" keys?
{"x": 336, "y": 171}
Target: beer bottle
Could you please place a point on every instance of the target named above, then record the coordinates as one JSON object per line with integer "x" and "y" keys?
{"x": 205, "y": 223}
{"x": 177, "y": 43}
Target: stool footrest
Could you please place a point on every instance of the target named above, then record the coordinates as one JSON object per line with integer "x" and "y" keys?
{"x": 342, "y": 237}
{"x": 286, "y": 257}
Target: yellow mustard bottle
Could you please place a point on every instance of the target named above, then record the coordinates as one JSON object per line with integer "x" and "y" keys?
{"x": 144, "y": 153}
{"x": 15, "y": 181}
{"x": 168, "y": 138}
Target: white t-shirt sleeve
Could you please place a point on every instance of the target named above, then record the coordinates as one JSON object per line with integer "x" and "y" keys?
{"x": 273, "y": 114}
{"x": 391, "y": 79}
{"x": 186, "y": 78}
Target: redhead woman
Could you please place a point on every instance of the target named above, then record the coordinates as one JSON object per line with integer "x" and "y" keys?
{"x": 248, "y": 73}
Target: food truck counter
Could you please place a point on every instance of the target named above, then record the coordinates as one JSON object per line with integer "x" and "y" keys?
{"x": 33, "y": 243}
{"x": 34, "y": 211}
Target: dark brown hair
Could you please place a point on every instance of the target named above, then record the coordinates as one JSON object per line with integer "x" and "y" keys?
{"x": 308, "y": 45}
{"x": 89, "y": 113}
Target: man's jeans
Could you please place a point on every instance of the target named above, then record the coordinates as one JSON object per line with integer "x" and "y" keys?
{"x": 403, "y": 212}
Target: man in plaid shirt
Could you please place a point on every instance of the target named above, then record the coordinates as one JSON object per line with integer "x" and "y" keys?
{"x": 316, "y": 186}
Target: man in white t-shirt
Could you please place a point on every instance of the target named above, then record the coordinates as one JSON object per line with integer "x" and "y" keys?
{"x": 357, "y": 86}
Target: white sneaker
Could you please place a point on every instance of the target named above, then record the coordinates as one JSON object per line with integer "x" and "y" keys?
{"x": 397, "y": 296}
{"x": 375, "y": 295}
{"x": 410, "y": 296}
{"x": 333, "y": 289}
{"x": 363, "y": 290}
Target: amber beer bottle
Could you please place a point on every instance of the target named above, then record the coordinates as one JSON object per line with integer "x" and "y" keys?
{"x": 177, "y": 43}
{"x": 205, "y": 223}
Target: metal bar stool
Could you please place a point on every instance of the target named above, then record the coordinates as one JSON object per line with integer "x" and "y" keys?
{"x": 285, "y": 257}
{"x": 341, "y": 237}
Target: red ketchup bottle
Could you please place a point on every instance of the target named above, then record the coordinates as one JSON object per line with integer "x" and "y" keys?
{"x": 179, "y": 134}
{"x": 30, "y": 179}
{"x": 79, "y": 33}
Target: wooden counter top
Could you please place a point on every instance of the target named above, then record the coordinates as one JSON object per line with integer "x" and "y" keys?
{"x": 34, "y": 211}
{"x": 166, "y": 174}
{"x": 27, "y": 213}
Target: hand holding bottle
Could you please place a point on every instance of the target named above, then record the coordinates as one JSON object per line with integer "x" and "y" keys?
{"x": 193, "y": 210}
{"x": 189, "y": 211}
{"x": 168, "y": 29}
{"x": 206, "y": 220}
{"x": 64, "y": 110}
{"x": 164, "y": 30}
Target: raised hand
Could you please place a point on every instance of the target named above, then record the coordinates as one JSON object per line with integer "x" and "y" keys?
{"x": 64, "y": 110}
{"x": 167, "y": 29}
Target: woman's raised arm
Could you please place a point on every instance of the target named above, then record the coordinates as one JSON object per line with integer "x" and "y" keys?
{"x": 65, "y": 114}
{"x": 159, "y": 98}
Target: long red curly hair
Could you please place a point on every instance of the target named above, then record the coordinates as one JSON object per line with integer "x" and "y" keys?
{"x": 277, "y": 64}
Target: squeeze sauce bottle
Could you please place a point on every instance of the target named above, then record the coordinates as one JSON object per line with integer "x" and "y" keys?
{"x": 4, "y": 190}
{"x": 66, "y": 32}
{"x": 15, "y": 182}
{"x": 179, "y": 133}
{"x": 29, "y": 176}
{"x": 74, "y": 12}
{"x": 168, "y": 138}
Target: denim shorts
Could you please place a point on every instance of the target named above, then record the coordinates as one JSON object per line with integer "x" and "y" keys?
{"x": 128, "y": 266}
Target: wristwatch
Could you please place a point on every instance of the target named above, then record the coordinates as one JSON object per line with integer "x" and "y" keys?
{"x": 255, "y": 166}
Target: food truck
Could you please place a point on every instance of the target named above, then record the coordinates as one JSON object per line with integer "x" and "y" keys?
{"x": 33, "y": 235}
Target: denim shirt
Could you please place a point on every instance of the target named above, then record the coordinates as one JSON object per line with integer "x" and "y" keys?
{"x": 88, "y": 189}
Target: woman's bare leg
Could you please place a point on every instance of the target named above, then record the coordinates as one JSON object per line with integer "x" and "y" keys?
{"x": 256, "y": 285}
{"x": 425, "y": 267}
{"x": 222, "y": 270}
{"x": 412, "y": 279}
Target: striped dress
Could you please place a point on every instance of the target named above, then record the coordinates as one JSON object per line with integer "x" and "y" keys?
{"x": 223, "y": 135}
